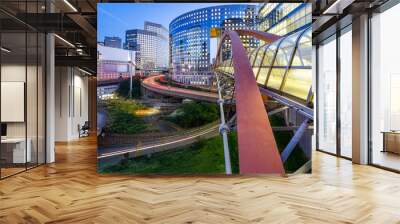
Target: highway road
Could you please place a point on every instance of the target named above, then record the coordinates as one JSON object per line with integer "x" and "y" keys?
{"x": 151, "y": 84}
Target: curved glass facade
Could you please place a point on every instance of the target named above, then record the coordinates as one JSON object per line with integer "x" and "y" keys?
{"x": 283, "y": 66}
{"x": 190, "y": 41}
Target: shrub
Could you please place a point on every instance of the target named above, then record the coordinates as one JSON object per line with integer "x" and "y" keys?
{"x": 122, "y": 122}
{"x": 122, "y": 118}
{"x": 194, "y": 114}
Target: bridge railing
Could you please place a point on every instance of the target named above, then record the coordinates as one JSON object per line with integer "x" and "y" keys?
{"x": 282, "y": 66}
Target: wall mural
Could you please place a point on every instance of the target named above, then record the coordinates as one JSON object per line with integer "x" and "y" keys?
{"x": 204, "y": 88}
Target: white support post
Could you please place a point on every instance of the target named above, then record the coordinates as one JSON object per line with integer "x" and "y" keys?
{"x": 360, "y": 90}
{"x": 223, "y": 129}
{"x": 50, "y": 99}
{"x": 50, "y": 92}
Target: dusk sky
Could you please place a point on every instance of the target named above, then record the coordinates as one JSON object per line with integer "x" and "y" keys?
{"x": 115, "y": 18}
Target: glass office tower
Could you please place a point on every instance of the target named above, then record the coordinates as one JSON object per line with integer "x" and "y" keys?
{"x": 150, "y": 45}
{"x": 191, "y": 55}
{"x": 282, "y": 19}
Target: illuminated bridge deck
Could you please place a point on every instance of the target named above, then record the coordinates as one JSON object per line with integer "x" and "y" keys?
{"x": 282, "y": 69}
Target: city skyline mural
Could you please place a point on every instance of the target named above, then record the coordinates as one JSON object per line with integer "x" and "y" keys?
{"x": 204, "y": 88}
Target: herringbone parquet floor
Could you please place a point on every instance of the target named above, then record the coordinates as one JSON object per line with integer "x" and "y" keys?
{"x": 70, "y": 191}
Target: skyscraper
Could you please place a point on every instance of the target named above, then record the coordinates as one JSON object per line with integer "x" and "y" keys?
{"x": 282, "y": 19}
{"x": 150, "y": 44}
{"x": 162, "y": 49}
{"x": 191, "y": 51}
{"x": 248, "y": 22}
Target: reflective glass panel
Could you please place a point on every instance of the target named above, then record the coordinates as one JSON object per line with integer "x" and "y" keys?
{"x": 385, "y": 89}
{"x": 346, "y": 94}
{"x": 299, "y": 78}
{"x": 298, "y": 83}
{"x": 258, "y": 60}
{"x": 327, "y": 96}
{"x": 275, "y": 78}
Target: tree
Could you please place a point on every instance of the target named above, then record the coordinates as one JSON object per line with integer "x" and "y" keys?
{"x": 195, "y": 114}
{"x": 122, "y": 122}
{"x": 123, "y": 89}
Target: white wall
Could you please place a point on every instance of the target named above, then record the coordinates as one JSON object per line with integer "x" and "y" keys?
{"x": 71, "y": 103}
{"x": 16, "y": 73}
{"x": 61, "y": 103}
{"x": 10, "y": 73}
{"x": 33, "y": 126}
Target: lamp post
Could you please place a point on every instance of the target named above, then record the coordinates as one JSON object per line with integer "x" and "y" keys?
{"x": 131, "y": 69}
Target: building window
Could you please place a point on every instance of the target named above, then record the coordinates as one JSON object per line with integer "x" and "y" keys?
{"x": 385, "y": 89}
{"x": 346, "y": 94}
{"x": 327, "y": 96}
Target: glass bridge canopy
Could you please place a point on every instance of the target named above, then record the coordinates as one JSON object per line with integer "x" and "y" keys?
{"x": 283, "y": 65}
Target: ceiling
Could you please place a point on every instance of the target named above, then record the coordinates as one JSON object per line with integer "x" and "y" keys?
{"x": 330, "y": 15}
{"x": 74, "y": 22}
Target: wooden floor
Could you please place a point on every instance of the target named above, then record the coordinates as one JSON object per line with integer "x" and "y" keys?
{"x": 387, "y": 159}
{"x": 70, "y": 191}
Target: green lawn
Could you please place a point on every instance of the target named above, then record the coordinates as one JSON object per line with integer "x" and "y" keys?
{"x": 203, "y": 157}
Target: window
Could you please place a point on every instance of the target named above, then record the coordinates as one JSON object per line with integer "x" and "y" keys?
{"x": 346, "y": 94}
{"x": 22, "y": 76}
{"x": 327, "y": 96}
{"x": 385, "y": 89}
{"x": 299, "y": 78}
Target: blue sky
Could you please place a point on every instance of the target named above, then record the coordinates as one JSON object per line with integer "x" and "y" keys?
{"x": 113, "y": 19}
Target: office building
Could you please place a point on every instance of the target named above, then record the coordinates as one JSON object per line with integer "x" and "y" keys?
{"x": 113, "y": 42}
{"x": 143, "y": 42}
{"x": 191, "y": 50}
{"x": 236, "y": 24}
{"x": 150, "y": 45}
{"x": 161, "y": 43}
{"x": 114, "y": 63}
{"x": 282, "y": 19}
{"x": 113, "y": 66}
